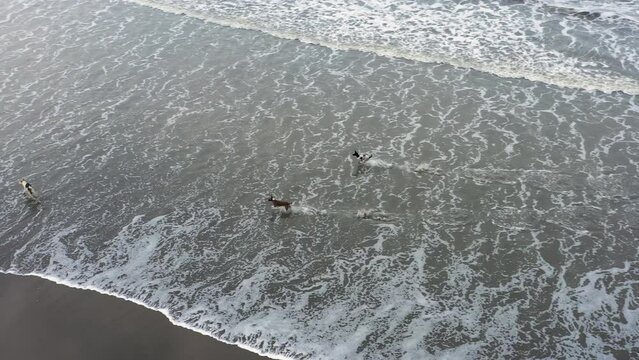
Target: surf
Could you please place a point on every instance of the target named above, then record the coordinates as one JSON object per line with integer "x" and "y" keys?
{"x": 392, "y": 31}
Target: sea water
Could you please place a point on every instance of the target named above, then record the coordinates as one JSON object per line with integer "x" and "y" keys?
{"x": 498, "y": 217}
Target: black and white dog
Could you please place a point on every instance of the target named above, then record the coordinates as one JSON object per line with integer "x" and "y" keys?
{"x": 362, "y": 157}
{"x": 28, "y": 189}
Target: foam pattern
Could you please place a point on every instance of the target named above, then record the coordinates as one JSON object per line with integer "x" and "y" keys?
{"x": 497, "y": 218}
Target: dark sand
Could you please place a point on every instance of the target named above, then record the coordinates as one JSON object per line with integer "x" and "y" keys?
{"x": 40, "y": 319}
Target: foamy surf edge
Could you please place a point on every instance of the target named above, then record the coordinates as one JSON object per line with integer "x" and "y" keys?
{"x": 162, "y": 311}
{"x": 508, "y": 71}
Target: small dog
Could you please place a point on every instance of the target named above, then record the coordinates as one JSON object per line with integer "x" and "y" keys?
{"x": 363, "y": 157}
{"x": 279, "y": 203}
{"x": 28, "y": 189}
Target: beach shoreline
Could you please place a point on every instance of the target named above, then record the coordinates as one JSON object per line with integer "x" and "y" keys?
{"x": 43, "y": 319}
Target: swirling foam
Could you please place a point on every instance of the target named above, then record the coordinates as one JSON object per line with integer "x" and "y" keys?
{"x": 505, "y": 40}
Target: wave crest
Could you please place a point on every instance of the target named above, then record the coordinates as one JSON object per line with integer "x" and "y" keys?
{"x": 507, "y": 41}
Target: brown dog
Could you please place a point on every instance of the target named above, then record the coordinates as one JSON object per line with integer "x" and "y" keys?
{"x": 279, "y": 203}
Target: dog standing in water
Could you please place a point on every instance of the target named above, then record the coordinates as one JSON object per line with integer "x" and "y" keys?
{"x": 362, "y": 157}
{"x": 28, "y": 189}
{"x": 279, "y": 203}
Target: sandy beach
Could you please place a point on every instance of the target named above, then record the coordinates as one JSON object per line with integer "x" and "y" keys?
{"x": 40, "y": 319}
{"x": 496, "y": 218}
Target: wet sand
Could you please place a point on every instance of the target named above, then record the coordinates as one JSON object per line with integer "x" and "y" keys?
{"x": 40, "y": 319}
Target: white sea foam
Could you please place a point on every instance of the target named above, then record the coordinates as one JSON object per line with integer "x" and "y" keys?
{"x": 484, "y": 262}
{"x": 306, "y": 210}
{"x": 487, "y": 36}
{"x": 378, "y": 163}
{"x": 599, "y": 303}
{"x": 605, "y": 8}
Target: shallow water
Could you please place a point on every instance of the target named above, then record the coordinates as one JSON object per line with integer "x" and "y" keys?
{"x": 497, "y": 218}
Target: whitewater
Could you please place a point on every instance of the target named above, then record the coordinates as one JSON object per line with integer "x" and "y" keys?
{"x": 589, "y": 45}
{"x": 498, "y": 217}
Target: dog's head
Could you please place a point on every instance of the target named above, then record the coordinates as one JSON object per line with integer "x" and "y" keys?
{"x": 356, "y": 154}
{"x": 22, "y": 181}
{"x": 270, "y": 198}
